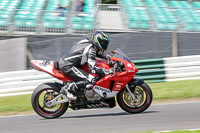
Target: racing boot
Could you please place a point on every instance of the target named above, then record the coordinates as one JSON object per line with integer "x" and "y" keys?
{"x": 69, "y": 90}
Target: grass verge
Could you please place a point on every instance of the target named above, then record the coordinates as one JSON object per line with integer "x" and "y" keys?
{"x": 165, "y": 90}
{"x": 175, "y": 131}
{"x": 178, "y": 89}
{"x": 15, "y": 103}
{"x": 181, "y": 131}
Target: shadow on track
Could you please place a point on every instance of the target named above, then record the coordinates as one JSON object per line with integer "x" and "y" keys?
{"x": 108, "y": 114}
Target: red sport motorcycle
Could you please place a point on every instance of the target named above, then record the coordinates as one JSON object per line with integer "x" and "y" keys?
{"x": 133, "y": 95}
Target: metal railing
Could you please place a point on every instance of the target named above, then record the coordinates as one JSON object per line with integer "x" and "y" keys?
{"x": 5, "y": 20}
{"x": 53, "y": 22}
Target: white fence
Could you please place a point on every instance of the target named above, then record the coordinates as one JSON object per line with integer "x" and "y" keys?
{"x": 24, "y": 82}
{"x": 182, "y": 68}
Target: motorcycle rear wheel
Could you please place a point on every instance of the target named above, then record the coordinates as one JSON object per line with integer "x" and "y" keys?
{"x": 42, "y": 95}
{"x": 143, "y": 95}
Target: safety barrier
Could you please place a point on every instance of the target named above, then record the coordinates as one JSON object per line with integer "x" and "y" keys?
{"x": 22, "y": 82}
{"x": 169, "y": 69}
{"x": 182, "y": 68}
{"x": 151, "y": 70}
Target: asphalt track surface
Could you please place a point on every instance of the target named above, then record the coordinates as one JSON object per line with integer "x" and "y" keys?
{"x": 156, "y": 118}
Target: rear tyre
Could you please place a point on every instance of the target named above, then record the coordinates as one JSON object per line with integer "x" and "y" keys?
{"x": 42, "y": 95}
{"x": 143, "y": 95}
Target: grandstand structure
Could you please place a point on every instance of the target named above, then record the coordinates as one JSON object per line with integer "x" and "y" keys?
{"x": 163, "y": 15}
{"x": 42, "y": 17}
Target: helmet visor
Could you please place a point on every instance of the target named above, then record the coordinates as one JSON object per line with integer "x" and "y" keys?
{"x": 104, "y": 44}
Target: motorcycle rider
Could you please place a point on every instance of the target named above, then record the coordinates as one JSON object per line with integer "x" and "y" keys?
{"x": 83, "y": 52}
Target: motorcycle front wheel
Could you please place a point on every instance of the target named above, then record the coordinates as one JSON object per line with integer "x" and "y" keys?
{"x": 143, "y": 95}
{"x": 40, "y": 97}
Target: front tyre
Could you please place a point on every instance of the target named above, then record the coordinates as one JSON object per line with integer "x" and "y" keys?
{"x": 44, "y": 93}
{"x": 143, "y": 96}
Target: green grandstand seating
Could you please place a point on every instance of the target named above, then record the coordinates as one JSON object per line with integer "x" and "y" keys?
{"x": 157, "y": 3}
{"x": 132, "y": 2}
{"x": 189, "y": 17}
{"x": 162, "y": 15}
{"x": 3, "y": 22}
{"x": 87, "y": 21}
{"x": 28, "y": 14}
{"x": 6, "y": 8}
{"x": 89, "y": 6}
{"x": 138, "y": 18}
{"x": 196, "y": 4}
{"x": 54, "y": 19}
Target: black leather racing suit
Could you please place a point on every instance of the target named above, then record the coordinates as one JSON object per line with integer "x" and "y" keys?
{"x": 81, "y": 53}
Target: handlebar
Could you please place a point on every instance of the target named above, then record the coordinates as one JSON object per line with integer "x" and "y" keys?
{"x": 117, "y": 66}
{"x": 113, "y": 66}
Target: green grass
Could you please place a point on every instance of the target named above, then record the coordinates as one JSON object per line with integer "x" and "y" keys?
{"x": 164, "y": 90}
{"x": 15, "y": 103}
{"x": 178, "y": 89}
{"x": 178, "y": 131}
{"x": 185, "y": 131}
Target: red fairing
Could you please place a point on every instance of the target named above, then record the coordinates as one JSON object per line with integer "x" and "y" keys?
{"x": 48, "y": 67}
{"x": 61, "y": 76}
{"x": 119, "y": 79}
